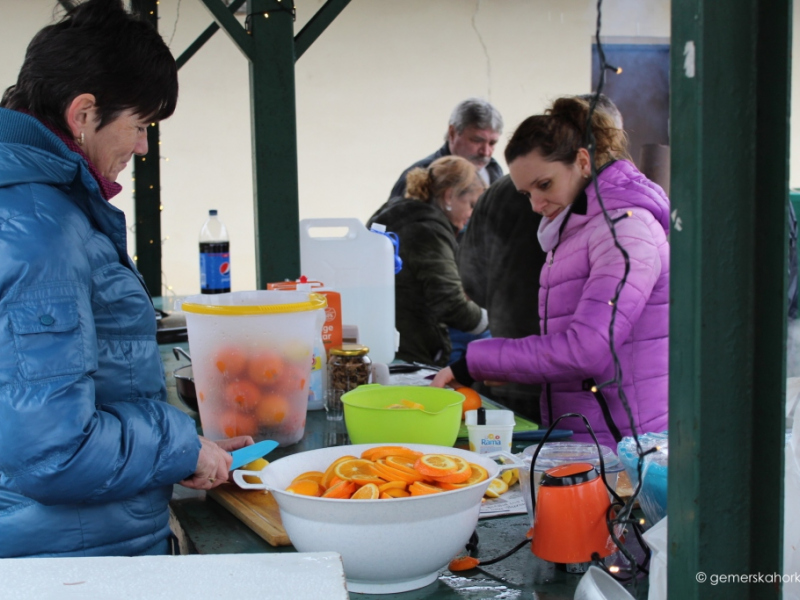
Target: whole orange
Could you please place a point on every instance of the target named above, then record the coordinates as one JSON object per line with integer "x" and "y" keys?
{"x": 472, "y": 400}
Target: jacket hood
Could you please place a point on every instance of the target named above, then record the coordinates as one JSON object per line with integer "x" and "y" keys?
{"x": 623, "y": 186}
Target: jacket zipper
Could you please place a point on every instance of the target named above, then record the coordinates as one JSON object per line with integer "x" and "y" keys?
{"x": 544, "y": 327}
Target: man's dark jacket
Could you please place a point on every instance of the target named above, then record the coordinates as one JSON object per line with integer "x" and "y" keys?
{"x": 493, "y": 169}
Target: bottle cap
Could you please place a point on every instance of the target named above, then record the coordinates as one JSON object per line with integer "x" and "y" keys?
{"x": 349, "y": 350}
{"x": 212, "y": 213}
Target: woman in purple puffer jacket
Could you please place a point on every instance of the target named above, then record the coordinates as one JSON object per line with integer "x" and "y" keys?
{"x": 549, "y": 163}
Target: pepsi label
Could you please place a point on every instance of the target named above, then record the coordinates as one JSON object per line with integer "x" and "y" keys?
{"x": 215, "y": 267}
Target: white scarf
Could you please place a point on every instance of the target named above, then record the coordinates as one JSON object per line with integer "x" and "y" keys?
{"x": 549, "y": 229}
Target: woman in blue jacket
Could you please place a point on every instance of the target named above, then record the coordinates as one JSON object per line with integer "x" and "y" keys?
{"x": 89, "y": 447}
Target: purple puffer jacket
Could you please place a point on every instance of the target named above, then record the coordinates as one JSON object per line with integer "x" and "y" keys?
{"x": 577, "y": 282}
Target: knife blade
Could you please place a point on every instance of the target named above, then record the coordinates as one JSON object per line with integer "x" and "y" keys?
{"x": 248, "y": 454}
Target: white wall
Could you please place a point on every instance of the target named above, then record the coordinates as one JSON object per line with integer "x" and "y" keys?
{"x": 374, "y": 94}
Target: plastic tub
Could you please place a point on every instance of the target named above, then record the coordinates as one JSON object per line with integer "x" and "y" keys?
{"x": 251, "y": 357}
{"x": 653, "y": 496}
{"x": 555, "y": 454}
{"x": 369, "y": 421}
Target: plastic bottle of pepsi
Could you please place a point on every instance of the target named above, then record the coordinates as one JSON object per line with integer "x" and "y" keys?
{"x": 215, "y": 262}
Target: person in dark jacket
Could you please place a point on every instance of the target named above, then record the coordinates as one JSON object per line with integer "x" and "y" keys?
{"x": 473, "y": 131}
{"x": 428, "y": 292}
{"x": 89, "y": 447}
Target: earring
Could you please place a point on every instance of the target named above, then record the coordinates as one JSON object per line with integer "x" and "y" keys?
{"x": 448, "y": 207}
{"x": 586, "y": 177}
{"x": 82, "y": 140}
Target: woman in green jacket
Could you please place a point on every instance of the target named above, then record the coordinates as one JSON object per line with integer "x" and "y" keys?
{"x": 429, "y": 296}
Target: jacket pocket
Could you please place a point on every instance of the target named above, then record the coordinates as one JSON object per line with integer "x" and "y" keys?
{"x": 47, "y": 337}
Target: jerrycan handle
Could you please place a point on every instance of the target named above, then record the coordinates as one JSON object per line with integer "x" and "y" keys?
{"x": 332, "y": 229}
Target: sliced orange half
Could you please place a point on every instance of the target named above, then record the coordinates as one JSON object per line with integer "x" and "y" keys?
{"x": 402, "y": 463}
{"x": 356, "y": 469}
{"x": 478, "y": 474}
{"x": 391, "y": 474}
{"x": 435, "y": 465}
{"x": 366, "y": 492}
{"x": 311, "y": 475}
{"x": 461, "y": 475}
{"x": 395, "y": 493}
{"x": 329, "y": 472}
{"x": 304, "y": 487}
{"x": 392, "y": 485}
{"x": 343, "y": 489}
{"x": 423, "y": 489}
{"x": 383, "y": 451}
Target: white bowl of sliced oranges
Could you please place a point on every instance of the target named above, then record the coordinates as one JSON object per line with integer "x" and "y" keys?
{"x": 396, "y": 514}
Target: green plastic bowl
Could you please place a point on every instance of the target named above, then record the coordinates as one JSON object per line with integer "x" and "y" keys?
{"x": 370, "y": 422}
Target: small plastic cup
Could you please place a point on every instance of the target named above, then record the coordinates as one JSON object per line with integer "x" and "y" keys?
{"x": 333, "y": 405}
{"x": 494, "y": 435}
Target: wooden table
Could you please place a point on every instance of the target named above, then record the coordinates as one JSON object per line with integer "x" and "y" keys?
{"x": 211, "y": 529}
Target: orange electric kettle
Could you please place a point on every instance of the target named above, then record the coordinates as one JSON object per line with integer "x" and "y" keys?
{"x": 570, "y": 515}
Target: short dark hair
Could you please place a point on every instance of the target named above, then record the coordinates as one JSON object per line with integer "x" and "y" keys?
{"x": 97, "y": 48}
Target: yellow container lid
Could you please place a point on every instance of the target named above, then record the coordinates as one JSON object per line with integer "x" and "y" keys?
{"x": 315, "y": 302}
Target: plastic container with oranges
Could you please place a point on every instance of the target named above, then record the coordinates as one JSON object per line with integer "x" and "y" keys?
{"x": 252, "y": 358}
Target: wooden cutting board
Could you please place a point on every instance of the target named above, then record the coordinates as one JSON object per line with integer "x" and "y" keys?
{"x": 256, "y": 509}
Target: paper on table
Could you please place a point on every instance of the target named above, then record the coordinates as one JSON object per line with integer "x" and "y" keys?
{"x": 510, "y": 503}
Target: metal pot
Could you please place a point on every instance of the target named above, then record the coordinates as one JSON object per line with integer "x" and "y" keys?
{"x": 184, "y": 381}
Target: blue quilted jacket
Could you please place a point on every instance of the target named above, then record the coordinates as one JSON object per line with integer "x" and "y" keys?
{"x": 89, "y": 449}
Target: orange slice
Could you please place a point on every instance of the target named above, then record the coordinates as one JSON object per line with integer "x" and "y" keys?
{"x": 395, "y": 493}
{"x": 461, "y": 475}
{"x": 329, "y": 472}
{"x": 391, "y": 474}
{"x": 343, "y": 489}
{"x": 392, "y": 485}
{"x": 384, "y": 451}
{"x": 496, "y": 488}
{"x": 304, "y": 487}
{"x": 478, "y": 474}
{"x": 357, "y": 469}
{"x": 366, "y": 492}
{"x": 423, "y": 489}
{"x": 310, "y": 475}
{"x": 401, "y": 463}
{"x": 435, "y": 465}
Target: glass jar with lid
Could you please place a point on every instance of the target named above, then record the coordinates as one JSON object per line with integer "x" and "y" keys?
{"x": 348, "y": 367}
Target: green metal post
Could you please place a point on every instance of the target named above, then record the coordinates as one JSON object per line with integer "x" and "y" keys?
{"x": 274, "y": 141}
{"x": 729, "y": 116}
{"x": 147, "y": 189}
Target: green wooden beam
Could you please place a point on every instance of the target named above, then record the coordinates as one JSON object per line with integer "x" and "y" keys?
{"x": 205, "y": 36}
{"x": 147, "y": 188}
{"x": 729, "y": 138}
{"x": 317, "y": 24}
{"x": 231, "y": 25}
{"x": 274, "y": 141}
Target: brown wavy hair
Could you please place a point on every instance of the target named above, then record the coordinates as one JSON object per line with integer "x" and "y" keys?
{"x": 561, "y": 131}
{"x": 444, "y": 173}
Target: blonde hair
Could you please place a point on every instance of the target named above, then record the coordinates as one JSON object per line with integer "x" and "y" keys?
{"x": 561, "y": 131}
{"x": 447, "y": 172}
